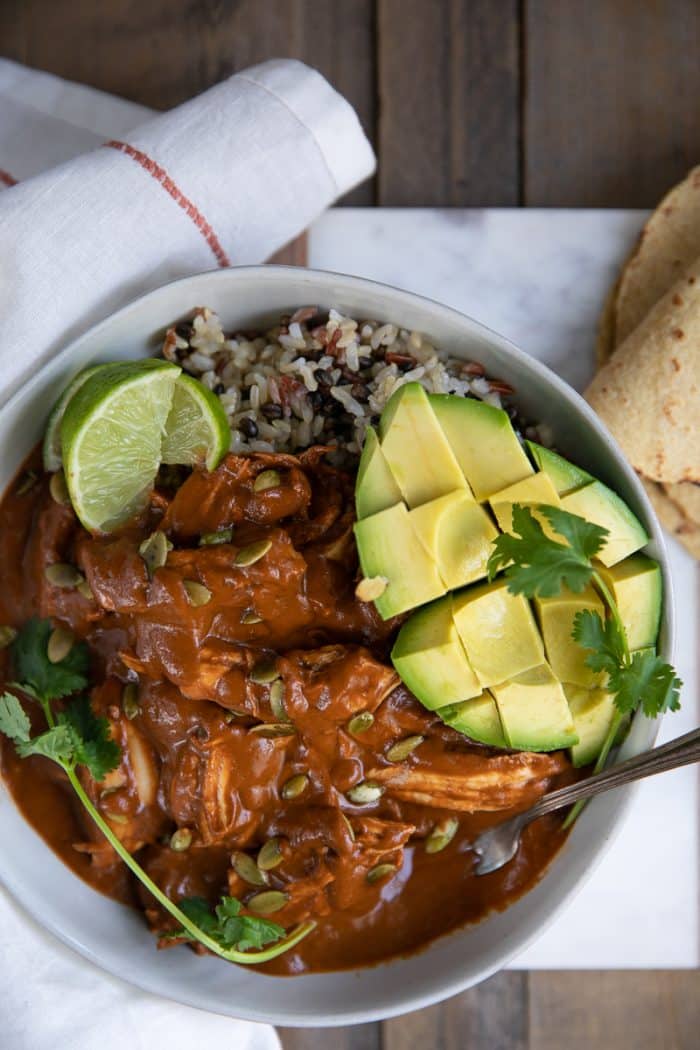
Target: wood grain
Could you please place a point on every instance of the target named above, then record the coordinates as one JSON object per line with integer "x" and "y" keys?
{"x": 610, "y": 100}
{"x": 356, "y": 1037}
{"x": 448, "y": 80}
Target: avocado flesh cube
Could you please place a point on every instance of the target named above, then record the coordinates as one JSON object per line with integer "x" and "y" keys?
{"x": 532, "y": 491}
{"x": 556, "y": 619}
{"x": 430, "y": 658}
{"x": 458, "y": 534}
{"x": 478, "y": 719}
{"x": 484, "y": 442}
{"x": 415, "y": 448}
{"x": 600, "y": 505}
{"x": 637, "y": 588}
{"x": 498, "y": 632}
{"x": 388, "y": 546}
{"x": 376, "y": 488}
{"x": 534, "y": 712}
{"x": 564, "y": 475}
{"x": 592, "y": 711}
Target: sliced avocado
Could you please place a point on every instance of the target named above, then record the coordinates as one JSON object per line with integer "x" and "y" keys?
{"x": 592, "y": 711}
{"x": 458, "y": 533}
{"x": 414, "y": 446}
{"x": 430, "y": 658}
{"x": 533, "y": 490}
{"x": 376, "y": 488}
{"x": 556, "y": 618}
{"x": 597, "y": 503}
{"x": 484, "y": 442}
{"x": 638, "y": 590}
{"x": 534, "y": 712}
{"x": 478, "y": 719}
{"x": 564, "y": 475}
{"x": 498, "y": 631}
{"x": 388, "y": 547}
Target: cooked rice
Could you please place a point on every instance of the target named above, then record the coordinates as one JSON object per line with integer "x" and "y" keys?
{"x": 319, "y": 378}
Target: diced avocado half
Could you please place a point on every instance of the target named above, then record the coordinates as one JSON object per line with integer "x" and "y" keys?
{"x": 536, "y": 489}
{"x": 458, "y": 533}
{"x": 375, "y": 488}
{"x": 637, "y": 587}
{"x": 598, "y": 504}
{"x": 416, "y": 449}
{"x": 431, "y": 660}
{"x": 484, "y": 442}
{"x": 478, "y": 719}
{"x": 592, "y": 711}
{"x": 564, "y": 475}
{"x": 534, "y": 712}
{"x": 556, "y": 619}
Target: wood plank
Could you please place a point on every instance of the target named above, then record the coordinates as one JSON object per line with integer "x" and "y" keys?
{"x": 294, "y": 254}
{"x": 448, "y": 76}
{"x": 492, "y": 1016}
{"x": 615, "y": 1010}
{"x": 610, "y": 100}
{"x": 354, "y": 1037}
{"x": 165, "y": 51}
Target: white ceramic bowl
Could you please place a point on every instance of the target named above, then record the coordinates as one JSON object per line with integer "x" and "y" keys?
{"x": 114, "y": 937}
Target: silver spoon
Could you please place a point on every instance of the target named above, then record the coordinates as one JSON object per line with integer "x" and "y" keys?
{"x": 496, "y": 846}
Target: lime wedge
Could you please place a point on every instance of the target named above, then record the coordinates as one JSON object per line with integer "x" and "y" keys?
{"x": 111, "y": 437}
{"x": 197, "y": 430}
{"x": 51, "y": 448}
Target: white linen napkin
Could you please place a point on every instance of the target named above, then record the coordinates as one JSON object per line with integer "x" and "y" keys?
{"x": 227, "y": 178}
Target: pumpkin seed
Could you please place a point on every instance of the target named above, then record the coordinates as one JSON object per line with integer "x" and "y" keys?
{"x": 351, "y": 830}
{"x": 59, "y": 645}
{"x": 264, "y": 672}
{"x": 213, "y": 539}
{"x": 273, "y": 729}
{"x": 244, "y": 865}
{"x": 86, "y": 590}
{"x": 130, "y": 701}
{"x": 28, "y": 482}
{"x": 380, "y": 872}
{"x": 7, "y": 636}
{"x": 277, "y": 701}
{"x": 270, "y": 855}
{"x": 231, "y": 716}
{"x": 181, "y": 840}
{"x": 441, "y": 835}
{"x": 403, "y": 748}
{"x": 360, "y": 722}
{"x": 267, "y": 479}
{"x": 251, "y": 617}
{"x": 371, "y": 587}
{"x": 116, "y": 818}
{"x": 365, "y": 792}
{"x": 58, "y": 488}
{"x": 62, "y": 575}
{"x": 197, "y": 593}
{"x": 267, "y": 902}
{"x": 252, "y": 553}
{"x": 295, "y": 786}
{"x": 154, "y": 551}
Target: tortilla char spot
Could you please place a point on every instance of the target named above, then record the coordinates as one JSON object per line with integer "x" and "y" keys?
{"x": 691, "y": 280}
{"x": 676, "y": 300}
{"x": 678, "y": 333}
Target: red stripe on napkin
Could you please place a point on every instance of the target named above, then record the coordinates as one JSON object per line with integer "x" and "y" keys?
{"x": 7, "y": 179}
{"x": 161, "y": 176}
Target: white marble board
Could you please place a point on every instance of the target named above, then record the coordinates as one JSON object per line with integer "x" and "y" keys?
{"x": 540, "y": 278}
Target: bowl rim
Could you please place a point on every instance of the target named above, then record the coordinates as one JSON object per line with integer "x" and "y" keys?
{"x": 327, "y": 282}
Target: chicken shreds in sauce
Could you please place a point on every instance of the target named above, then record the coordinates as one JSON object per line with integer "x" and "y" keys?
{"x": 240, "y": 729}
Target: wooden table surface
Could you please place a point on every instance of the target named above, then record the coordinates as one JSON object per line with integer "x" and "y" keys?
{"x": 469, "y": 103}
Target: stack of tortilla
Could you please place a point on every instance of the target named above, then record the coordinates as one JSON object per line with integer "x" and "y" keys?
{"x": 647, "y": 391}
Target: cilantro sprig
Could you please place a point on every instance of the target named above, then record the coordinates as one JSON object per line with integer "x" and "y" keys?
{"x": 75, "y": 736}
{"x": 536, "y": 565}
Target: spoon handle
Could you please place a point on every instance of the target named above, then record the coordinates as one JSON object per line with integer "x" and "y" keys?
{"x": 682, "y": 751}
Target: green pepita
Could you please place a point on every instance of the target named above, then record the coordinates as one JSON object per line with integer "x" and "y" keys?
{"x": 351, "y": 830}
{"x": 365, "y": 792}
{"x": 277, "y": 692}
{"x": 380, "y": 871}
{"x": 154, "y": 551}
{"x": 244, "y": 865}
{"x": 116, "y": 818}
{"x": 273, "y": 729}
{"x": 295, "y": 786}
{"x": 62, "y": 575}
{"x": 58, "y": 488}
{"x": 264, "y": 672}
{"x": 250, "y": 617}
{"x": 266, "y": 479}
{"x": 270, "y": 855}
{"x": 130, "y": 701}
{"x": 441, "y": 835}
{"x": 267, "y": 902}
{"x": 59, "y": 645}
{"x": 403, "y": 748}
{"x": 7, "y": 636}
{"x": 197, "y": 593}
{"x": 181, "y": 840}
{"x": 252, "y": 553}
{"x": 360, "y": 722}
{"x": 85, "y": 589}
{"x": 213, "y": 539}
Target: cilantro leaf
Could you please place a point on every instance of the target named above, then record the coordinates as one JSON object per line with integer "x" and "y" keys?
{"x": 56, "y": 744}
{"x": 541, "y": 566}
{"x": 14, "y": 721}
{"x": 647, "y": 680}
{"x": 33, "y": 668}
{"x": 603, "y": 637}
{"x": 226, "y": 925}
{"x": 92, "y": 743}
{"x": 585, "y": 538}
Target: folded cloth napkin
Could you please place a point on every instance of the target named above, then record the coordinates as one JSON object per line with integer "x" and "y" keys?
{"x": 226, "y": 178}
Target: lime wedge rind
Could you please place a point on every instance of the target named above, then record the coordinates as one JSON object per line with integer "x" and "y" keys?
{"x": 51, "y": 448}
